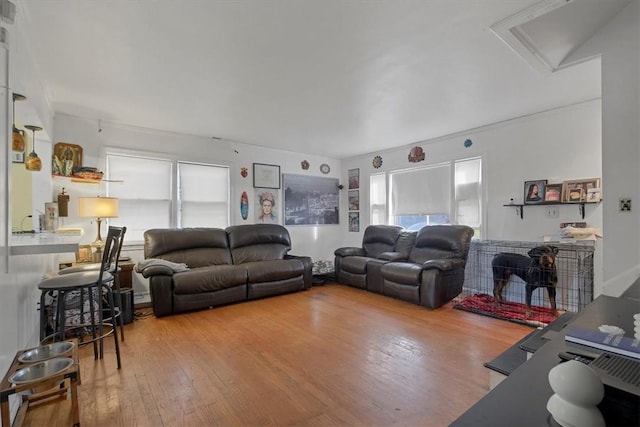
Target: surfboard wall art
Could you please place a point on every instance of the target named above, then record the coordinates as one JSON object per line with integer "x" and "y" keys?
{"x": 244, "y": 205}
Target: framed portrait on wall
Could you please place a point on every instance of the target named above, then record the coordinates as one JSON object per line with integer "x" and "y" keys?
{"x": 534, "y": 191}
{"x": 266, "y": 208}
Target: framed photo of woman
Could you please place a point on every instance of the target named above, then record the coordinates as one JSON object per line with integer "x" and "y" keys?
{"x": 266, "y": 207}
{"x": 534, "y": 191}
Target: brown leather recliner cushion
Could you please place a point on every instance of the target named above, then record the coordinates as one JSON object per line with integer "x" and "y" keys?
{"x": 196, "y": 247}
{"x": 402, "y": 272}
{"x": 208, "y": 279}
{"x": 355, "y": 264}
{"x": 273, "y": 270}
{"x": 258, "y": 242}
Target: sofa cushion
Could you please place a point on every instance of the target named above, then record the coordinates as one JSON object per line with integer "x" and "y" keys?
{"x": 355, "y": 264}
{"x": 380, "y": 238}
{"x": 196, "y": 247}
{"x": 207, "y": 279}
{"x": 273, "y": 270}
{"x": 402, "y": 272}
{"x": 258, "y": 242}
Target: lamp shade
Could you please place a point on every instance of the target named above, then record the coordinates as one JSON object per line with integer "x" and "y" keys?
{"x": 98, "y": 207}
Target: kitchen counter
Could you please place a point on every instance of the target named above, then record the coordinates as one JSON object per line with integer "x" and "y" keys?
{"x": 43, "y": 243}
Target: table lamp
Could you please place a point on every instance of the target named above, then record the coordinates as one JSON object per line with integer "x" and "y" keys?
{"x": 99, "y": 208}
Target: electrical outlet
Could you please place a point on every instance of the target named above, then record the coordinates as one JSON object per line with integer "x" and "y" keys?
{"x": 552, "y": 212}
{"x": 625, "y": 205}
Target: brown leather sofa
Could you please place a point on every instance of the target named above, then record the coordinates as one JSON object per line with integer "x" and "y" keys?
{"x": 242, "y": 262}
{"x": 424, "y": 268}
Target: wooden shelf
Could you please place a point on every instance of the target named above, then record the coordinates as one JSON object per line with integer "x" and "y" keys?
{"x": 520, "y": 206}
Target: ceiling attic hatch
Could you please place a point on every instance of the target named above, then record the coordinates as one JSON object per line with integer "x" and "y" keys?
{"x": 546, "y": 33}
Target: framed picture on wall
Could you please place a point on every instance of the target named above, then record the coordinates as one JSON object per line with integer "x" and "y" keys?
{"x": 354, "y": 200}
{"x": 553, "y": 193}
{"x": 354, "y": 221}
{"x": 577, "y": 191}
{"x": 266, "y": 176}
{"x": 534, "y": 191}
{"x": 354, "y": 178}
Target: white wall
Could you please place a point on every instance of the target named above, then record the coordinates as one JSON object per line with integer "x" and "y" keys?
{"x": 618, "y": 43}
{"x": 557, "y": 145}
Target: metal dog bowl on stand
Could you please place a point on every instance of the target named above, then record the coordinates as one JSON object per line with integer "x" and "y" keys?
{"x": 41, "y": 371}
{"x": 38, "y": 354}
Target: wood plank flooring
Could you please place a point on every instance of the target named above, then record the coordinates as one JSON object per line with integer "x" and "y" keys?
{"x": 329, "y": 356}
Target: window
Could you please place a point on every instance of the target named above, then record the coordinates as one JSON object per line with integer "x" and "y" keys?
{"x": 163, "y": 193}
{"x": 443, "y": 193}
{"x": 468, "y": 181}
{"x": 378, "y": 198}
{"x": 203, "y": 195}
{"x": 421, "y": 196}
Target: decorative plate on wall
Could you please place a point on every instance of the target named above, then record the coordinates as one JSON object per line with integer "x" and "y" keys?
{"x": 304, "y": 165}
{"x": 377, "y": 162}
{"x": 324, "y": 168}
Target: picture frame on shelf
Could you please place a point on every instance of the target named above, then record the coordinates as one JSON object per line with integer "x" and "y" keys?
{"x": 66, "y": 159}
{"x": 84, "y": 254}
{"x": 534, "y": 191}
{"x": 553, "y": 193}
{"x": 266, "y": 176}
{"x": 577, "y": 191}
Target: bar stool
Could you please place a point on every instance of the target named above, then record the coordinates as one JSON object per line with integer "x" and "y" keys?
{"x": 114, "y": 269}
{"x": 94, "y": 284}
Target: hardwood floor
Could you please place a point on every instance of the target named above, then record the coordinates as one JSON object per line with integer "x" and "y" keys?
{"x": 330, "y": 356}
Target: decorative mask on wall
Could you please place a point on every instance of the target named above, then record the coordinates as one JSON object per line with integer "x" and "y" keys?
{"x": 416, "y": 155}
{"x": 304, "y": 165}
{"x": 244, "y": 172}
{"x": 377, "y": 162}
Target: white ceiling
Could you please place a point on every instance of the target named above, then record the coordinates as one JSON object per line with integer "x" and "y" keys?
{"x": 329, "y": 77}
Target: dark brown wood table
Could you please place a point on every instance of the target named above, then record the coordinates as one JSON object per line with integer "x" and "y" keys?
{"x": 521, "y": 399}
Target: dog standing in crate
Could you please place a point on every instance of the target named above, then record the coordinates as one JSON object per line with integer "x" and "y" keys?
{"x": 537, "y": 270}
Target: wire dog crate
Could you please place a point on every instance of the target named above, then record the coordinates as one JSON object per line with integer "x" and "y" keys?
{"x": 574, "y": 264}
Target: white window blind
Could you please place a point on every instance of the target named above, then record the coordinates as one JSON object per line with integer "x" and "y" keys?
{"x": 378, "y": 199}
{"x": 203, "y": 195}
{"x": 144, "y": 193}
{"x": 162, "y": 193}
{"x": 468, "y": 182}
{"x": 424, "y": 191}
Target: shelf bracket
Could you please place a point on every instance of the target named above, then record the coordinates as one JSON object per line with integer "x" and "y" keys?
{"x": 581, "y": 209}
{"x": 520, "y": 211}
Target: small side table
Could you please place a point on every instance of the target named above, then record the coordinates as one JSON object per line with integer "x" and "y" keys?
{"x": 126, "y": 274}
{"x": 45, "y": 392}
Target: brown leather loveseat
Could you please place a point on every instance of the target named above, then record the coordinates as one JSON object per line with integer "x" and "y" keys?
{"x": 424, "y": 268}
{"x": 223, "y": 266}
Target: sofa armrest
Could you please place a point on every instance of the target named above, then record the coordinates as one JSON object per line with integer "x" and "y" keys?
{"x": 443, "y": 264}
{"x": 156, "y": 270}
{"x": 308, "y": 268}
{"x": 350, "y": 251}
{"x": 392, "y": 256}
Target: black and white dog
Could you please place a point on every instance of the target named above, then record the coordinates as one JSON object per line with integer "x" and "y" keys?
{"x": 537, "y": 270}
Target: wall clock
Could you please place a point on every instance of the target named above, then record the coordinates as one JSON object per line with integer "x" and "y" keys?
{"x": 324, "y": 168}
